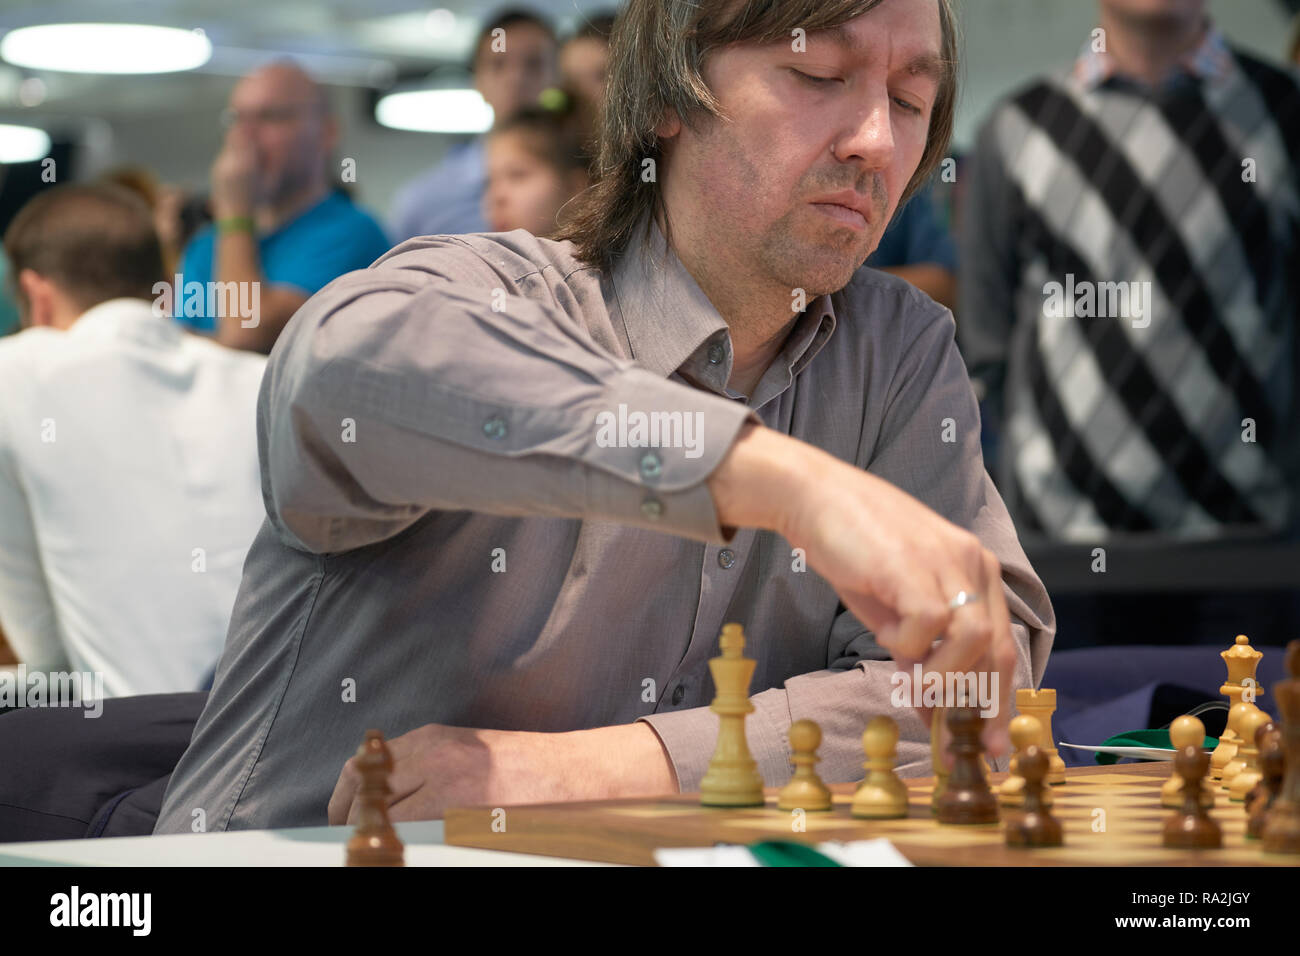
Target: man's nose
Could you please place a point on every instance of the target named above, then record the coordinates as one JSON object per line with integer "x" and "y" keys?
{"x": 869, "y": 137}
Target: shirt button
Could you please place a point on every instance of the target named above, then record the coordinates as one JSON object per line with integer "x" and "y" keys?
{"x": 495, "y": 427}
{"x": 651, "y": 466}
{"x": 726, "y": 557}
{"x": 715, "y": 354}
{"x": 652, "y": 508}
{"x": 678, "y": 693}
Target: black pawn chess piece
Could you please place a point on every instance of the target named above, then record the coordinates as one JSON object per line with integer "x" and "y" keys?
{"x": 967, "y": 798}
{"x": 374, "y": 842}
{"x": 1034, "y": 825}
{"x": 1192, "y": 828}
{"x": 1271, "y": 767}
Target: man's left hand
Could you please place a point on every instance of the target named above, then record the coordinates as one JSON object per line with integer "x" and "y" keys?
{"x": 436, "y": 767}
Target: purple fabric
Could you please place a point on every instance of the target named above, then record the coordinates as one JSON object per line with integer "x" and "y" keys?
{"x": 1103, "y": 691}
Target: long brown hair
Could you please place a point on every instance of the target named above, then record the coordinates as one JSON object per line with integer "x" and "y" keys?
{"x": 657, "y": 53}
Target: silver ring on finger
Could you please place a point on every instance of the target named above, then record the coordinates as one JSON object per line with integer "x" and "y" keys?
{"x": 962, "y": 599}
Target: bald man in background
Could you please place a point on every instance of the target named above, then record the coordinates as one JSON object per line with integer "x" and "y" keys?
{"x": 278, "y": 220}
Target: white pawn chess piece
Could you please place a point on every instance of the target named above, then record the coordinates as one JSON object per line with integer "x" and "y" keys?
{"x": 1248, "y": 750}
{"x": 1238, "y": 714}
{"x": 805, "y": 791}
{"x": 881, "y": 795}
{"x": 1186, "y": 731}
{"x": 1025, "y": 731}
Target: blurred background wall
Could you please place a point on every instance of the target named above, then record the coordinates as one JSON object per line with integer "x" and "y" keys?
{"x": 169, "y": 122}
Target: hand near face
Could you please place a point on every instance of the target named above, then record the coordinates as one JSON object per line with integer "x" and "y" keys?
{"x": 234, "y": 176}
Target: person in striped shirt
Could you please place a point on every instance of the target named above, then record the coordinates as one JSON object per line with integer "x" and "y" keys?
{"x": 1131, "y": 283}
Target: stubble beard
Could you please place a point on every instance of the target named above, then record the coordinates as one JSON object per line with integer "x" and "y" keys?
{"x": 820, "y": 260}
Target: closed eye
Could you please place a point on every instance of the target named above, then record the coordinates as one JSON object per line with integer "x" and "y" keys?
{"x": 814, "y": 80}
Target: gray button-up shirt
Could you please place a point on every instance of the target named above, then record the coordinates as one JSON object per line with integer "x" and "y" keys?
{"x": 465, "y": 526}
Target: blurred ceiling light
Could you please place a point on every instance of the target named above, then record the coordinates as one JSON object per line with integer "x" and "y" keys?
{"x": 329, "y": 68}
{"x": 422, "y": 36}
{"x": 435, "y": 111}
{"x": 106, "y": 48}
{"x": 31, "y": 91}
{"x": 23, "y": 144}
{"x": 439, "y": 22}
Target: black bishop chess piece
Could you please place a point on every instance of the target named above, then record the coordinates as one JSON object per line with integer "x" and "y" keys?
{"x": 374, "y": 842}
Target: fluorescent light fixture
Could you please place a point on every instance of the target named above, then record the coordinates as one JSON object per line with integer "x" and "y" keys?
{"x": 437, "y": 35}
{"x": 23, "y": 144}
{"x": 106, "y": 48}
{"x": 439, "y": 22}
{"x": 435, "y": 111}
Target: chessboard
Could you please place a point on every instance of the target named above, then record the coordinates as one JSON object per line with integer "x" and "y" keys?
{"x": 1111, "y": 817}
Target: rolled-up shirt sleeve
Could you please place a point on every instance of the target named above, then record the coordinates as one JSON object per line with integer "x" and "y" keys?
{"x": 929, "y": 446}
{"x": 430, "y": 382}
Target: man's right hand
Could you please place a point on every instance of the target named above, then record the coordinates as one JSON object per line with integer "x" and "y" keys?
{"x": 234, "y": 176}
{"x": 894, "y": 563}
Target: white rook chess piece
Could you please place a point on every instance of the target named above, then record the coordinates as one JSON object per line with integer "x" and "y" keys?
{"x": 1041, "y": 704}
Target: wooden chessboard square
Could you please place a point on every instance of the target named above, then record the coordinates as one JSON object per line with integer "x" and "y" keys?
{"x": 813, "y": 821}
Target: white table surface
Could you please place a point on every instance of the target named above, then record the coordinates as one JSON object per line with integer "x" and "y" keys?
{"x": 303, "y": 846}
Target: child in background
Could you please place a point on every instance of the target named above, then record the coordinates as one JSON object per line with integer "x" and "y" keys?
{"x": 536, "y": 162}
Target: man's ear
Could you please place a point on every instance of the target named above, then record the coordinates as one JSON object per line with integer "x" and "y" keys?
{"x": 669, "y": 125}
{"x": 37, "y": 293}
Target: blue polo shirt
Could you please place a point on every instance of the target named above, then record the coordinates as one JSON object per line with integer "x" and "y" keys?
{"x": 331, "y": 238}
{"x": 915, "y": 236}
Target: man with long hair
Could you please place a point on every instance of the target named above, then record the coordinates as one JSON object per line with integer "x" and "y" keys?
{"x": 516, "y": 486}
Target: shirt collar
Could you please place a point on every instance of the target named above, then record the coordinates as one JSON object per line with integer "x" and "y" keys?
{"x": 671, "y": 326}
{"x": 126, "y": 318}
{"x": 1210, "y": 61}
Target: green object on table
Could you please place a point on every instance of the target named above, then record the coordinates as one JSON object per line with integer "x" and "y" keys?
{"x": 1142, "y": 738}
{"x": 788, "y": 853}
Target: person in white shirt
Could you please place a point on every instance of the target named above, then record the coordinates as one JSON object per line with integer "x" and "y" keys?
{"x": 129, "y": 482}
